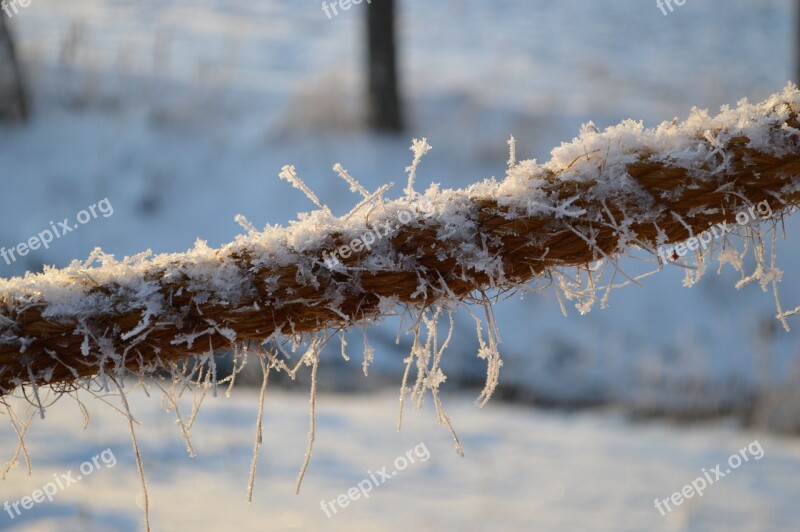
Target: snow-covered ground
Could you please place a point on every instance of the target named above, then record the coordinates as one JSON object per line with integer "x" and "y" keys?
{"x": 182, "y": 114}
{"x": 523, "y": 470}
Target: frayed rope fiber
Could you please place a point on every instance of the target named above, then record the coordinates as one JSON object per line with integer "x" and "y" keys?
{"x": 600, "y": 196}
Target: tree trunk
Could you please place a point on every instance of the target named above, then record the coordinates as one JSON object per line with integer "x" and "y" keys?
{"x": 13, "y": 106}
{"x": 797, "y": 43}
{"x": 384, "y": 111}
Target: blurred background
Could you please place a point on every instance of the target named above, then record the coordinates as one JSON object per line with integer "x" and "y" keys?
{"x": 182, "y": 113}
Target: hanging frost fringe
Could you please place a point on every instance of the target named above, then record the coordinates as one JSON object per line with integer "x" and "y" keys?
{"x": 563, "y": 225}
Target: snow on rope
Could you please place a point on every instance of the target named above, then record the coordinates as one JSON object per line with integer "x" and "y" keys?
{"x": 563, "y": 224}
{"x": 600, "y": 196}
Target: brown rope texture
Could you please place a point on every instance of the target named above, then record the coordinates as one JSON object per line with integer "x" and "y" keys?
{"x": 272, "y": 301}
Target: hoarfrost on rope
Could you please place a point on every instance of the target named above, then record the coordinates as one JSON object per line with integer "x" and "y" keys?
{"x": 215, "y": 277}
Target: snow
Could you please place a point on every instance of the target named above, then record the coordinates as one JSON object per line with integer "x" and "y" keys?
{"x": 184, "y": 115}
{"x": 522, "y": 469}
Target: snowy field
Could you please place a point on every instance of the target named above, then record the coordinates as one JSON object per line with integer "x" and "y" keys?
{"x": 182, "y": 114}
{"x": 523, "y": 470}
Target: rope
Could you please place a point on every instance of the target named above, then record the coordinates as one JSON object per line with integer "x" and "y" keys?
{"x": 600, "y": 197}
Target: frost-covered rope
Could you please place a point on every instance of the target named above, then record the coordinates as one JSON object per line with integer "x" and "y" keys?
{"x": 600, "y": 196}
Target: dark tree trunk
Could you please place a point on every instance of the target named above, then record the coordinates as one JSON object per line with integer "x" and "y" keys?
{"x": 13, "y": 106}
{"x": 384, "y": 108}
{"x": 796, "y": 72}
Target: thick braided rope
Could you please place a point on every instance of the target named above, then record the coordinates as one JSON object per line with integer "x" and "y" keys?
{"x": 599, "y": 196}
